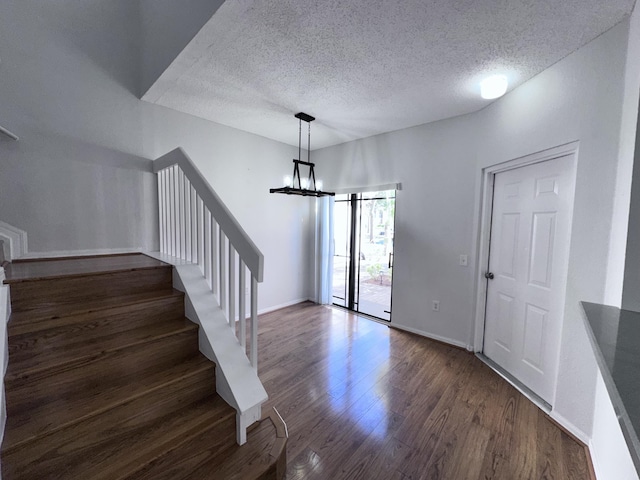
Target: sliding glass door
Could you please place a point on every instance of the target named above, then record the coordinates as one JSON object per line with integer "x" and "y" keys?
{"x": 342, "y": 251}
{"x": 363, "y": 252}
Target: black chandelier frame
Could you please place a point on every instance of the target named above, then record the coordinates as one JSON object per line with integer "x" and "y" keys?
{"x": 311, "y": 190}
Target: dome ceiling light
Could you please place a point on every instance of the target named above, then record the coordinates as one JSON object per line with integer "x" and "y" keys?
{"x": 494, "y": 87}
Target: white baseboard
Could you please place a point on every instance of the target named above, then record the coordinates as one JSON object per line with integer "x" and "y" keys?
{"x": 450, "y": 341}
{"x": 273, "y": 308}
{"x": 594, "y": 458}
{"x": 5, "y": 312}
{"x": 575, "y": 431}
{"x": 79, "y": 253}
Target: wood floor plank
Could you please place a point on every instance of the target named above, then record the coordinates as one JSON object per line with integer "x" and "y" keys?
{"x": 468, "y": 455}
{"x": 336, "y": 445}
{"x": 549, "y": 438}
{"x": 361, "y": 462}
{"x": 573, "y": 465}
{"x": 306, "y": 466}
{"x": 390, "y": 459}
{"x": 496, "y": 462}
{"x": 434, "y": 404}
{"x": 448, "y": 449}
{"x": 438, "y": 436}
{"x": 457, "y": 418}
{"x": 524, "y": 440}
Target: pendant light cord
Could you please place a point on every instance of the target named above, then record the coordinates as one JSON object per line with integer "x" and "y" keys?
{"x": 300, "y": 139}
{"x": 309, "y": 145}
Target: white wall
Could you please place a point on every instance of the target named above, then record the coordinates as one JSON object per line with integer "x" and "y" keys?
{"x": 590, "y": 96}
{"x": 579, "y": 98}
{"x": 5, "y": 311}
{"x": 167, "y": 27}
{"x": 76, "y": 179}
{"x": 609, "y": 451}
{"x": 241, "y": 168}
{"x": 629, "y": 141}
{"x": 80, "y": 176}
{"x": 434, "y": 217}
{"x": 622, "y": 240}
{"x": 631, "y": 292}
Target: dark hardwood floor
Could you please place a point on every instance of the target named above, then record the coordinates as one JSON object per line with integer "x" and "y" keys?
{"x": 363, "y": 401}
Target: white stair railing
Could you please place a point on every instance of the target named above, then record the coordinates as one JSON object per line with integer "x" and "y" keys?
{"x": 197, "y": 227}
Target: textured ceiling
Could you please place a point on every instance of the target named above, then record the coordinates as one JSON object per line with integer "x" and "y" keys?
{"x": 364, "y": 67}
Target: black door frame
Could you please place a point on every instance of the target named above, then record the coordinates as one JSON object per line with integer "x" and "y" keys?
{"x": 355, "y": 239}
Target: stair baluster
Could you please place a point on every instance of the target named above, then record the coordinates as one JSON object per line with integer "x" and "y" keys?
{"x": 197, "y": 227}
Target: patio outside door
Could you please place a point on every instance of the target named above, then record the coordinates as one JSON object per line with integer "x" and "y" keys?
{"x": 363, "y": 252}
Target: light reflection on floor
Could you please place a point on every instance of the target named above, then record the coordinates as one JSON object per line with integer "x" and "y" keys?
{"x": 359, "y": 355}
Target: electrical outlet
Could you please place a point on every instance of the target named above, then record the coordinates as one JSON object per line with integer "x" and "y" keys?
{"x": 463, "y": 260}
{"x": 436, "y": 306}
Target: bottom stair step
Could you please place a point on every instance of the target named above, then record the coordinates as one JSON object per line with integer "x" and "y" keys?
{"x": 207, "y": 456}
{"x": 112, "y": 447}
{"x": 27, "y": 422}
{"x": 30, "y": 353}
{"x": 37, "y": 405}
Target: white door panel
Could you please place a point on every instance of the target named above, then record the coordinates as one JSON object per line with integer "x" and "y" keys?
{"x": 528, "y": 257}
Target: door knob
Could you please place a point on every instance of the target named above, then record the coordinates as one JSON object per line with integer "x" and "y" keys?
{"x": 488, "y": 275}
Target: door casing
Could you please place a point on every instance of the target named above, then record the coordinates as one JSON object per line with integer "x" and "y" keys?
{"x": 484, "y": 233}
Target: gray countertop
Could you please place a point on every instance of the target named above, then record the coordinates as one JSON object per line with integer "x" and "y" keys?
{"x": 615, "y": 335}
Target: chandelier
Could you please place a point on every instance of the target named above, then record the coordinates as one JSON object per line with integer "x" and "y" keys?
{"x": 306, "y": 186}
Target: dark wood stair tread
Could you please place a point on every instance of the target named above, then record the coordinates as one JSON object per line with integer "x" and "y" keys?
{"x": 56, "y": 268}
{"x": 29, "y": 320}
{"x": 39, "y": 371}
{"x": 110, "y": 447}
{"x": 62, "y": 292}
{"x": 82, "y": 336}
{"x": 39, "y": 401}
{"x": 30, "y": 416}
{"x": 262, "y": 457}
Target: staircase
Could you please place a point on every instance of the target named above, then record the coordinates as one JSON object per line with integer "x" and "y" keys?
{"x": 105, "y": 381}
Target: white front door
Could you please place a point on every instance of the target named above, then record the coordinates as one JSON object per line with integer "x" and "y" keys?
{"x": 528, "y": 257}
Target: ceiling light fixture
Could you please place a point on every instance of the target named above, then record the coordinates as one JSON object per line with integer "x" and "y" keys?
{"x": 307, "y": 187}
{"x": 494, "y": 87}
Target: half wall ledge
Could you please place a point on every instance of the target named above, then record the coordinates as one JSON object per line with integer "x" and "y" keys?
{"x": 615, "y": 336}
